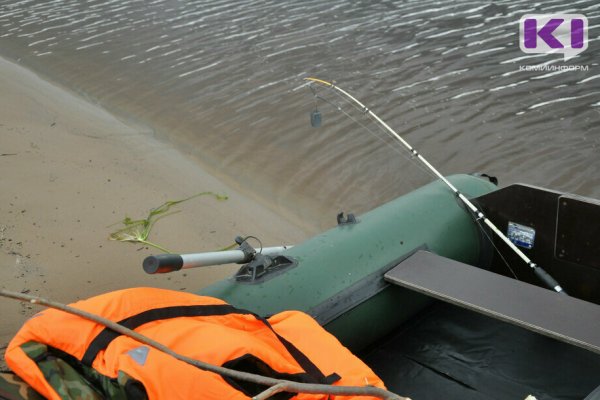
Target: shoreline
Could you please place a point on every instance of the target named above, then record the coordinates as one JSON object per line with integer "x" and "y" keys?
{"x": 306, "y": 218}
{"x": 70, "y": 170}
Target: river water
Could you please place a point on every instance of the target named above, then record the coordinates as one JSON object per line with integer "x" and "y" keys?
{"x": 223, "y": 80}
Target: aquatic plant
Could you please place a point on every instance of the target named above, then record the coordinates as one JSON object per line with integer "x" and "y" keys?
{"x": 138, "y": 230}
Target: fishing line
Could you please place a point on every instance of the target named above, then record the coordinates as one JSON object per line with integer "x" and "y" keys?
{"x": 487, "y": 235}
{"x": 358, "y": 109}
{"x": 394, "y": 145}
{"x": 364, "y": 111}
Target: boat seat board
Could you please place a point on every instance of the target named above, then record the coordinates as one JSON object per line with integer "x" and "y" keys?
{"x": 564, "y": 318}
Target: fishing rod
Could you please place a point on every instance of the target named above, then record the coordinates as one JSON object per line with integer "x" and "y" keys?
{"x": 542, "y": 275}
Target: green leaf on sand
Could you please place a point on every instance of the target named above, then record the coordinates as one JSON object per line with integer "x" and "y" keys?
{"x": 137, "y": 231}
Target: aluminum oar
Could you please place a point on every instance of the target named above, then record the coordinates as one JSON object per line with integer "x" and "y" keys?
{"x": 163, "y": 263}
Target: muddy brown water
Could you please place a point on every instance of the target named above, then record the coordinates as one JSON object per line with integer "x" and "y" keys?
{"x": 224, "y": 81}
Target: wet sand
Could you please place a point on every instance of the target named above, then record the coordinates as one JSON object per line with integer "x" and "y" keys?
{"x": 69, "y": 169}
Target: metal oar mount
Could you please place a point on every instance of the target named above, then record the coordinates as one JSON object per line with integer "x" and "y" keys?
{"x": 539, "y": 272}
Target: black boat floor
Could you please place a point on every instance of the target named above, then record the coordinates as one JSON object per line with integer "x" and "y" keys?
{"x": 447, "y": 352}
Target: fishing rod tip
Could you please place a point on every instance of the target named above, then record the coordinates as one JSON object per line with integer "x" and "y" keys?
{"x": 317, "y": 80}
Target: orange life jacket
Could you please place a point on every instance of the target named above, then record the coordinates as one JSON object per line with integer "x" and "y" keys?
{"x": 289, "y": 345}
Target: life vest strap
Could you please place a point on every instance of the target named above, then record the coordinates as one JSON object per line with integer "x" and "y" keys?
{"x": 301, "y": 358}
{"x": 106, "y": 336}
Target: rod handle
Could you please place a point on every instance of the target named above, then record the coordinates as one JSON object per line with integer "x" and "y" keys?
{"x": 548, "y": 280}
{"x": 162, "y": 263}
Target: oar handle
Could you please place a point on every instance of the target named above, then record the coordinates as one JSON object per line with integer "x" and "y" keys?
{"x": 164, "y": 263}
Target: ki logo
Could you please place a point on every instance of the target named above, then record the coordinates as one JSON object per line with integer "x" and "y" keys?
{"x": 554, "y": 33}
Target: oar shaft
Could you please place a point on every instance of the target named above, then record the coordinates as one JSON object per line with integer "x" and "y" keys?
{"x": 163, "y": 263}
{"x": 540, "y": 273}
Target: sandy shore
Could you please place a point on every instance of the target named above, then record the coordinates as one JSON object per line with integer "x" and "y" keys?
{"x": 69, "y": 169}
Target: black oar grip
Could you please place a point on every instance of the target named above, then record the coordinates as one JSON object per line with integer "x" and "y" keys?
{"x": 162, "y": 263}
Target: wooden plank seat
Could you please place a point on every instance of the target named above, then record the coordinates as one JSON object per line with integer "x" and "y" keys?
{"x": 540, "y": 310}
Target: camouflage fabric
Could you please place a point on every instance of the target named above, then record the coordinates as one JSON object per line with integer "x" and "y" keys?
{"x": 70, "y": 379}
{"x": 14, "y": 388}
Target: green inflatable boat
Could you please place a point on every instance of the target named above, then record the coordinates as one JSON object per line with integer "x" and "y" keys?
{"x": 425, "y": 294}
{"x": 428, "y": 296}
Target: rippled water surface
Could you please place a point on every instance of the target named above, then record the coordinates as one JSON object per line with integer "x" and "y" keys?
{"x": 224, "y": 80}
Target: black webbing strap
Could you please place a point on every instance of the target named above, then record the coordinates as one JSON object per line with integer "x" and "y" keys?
{"x": 301, "y": 358}
{"x": 107, "y": 335}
